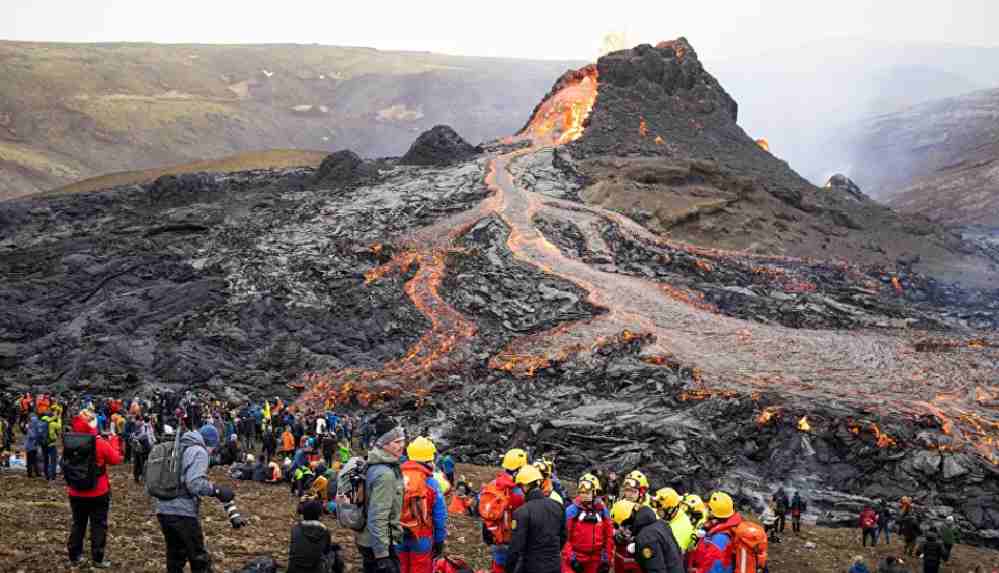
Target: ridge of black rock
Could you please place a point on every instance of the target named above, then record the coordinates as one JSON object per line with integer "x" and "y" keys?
{"x": 439, "y": 146}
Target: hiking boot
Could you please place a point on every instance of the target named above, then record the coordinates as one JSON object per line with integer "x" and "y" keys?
{"x": 102, "y": 564}
{"x": 78, "y": 562}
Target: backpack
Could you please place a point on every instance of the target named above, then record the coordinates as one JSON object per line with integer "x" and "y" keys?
{"x": 749, "y": 542}
{"x": 164, "y": 474}
{"x": 494, "y": 505}
{"x": 415, "y": 502}
{"x": 351, "y": 503}
{"x": 452, "y": 565}
{"x": 79, "y": 461}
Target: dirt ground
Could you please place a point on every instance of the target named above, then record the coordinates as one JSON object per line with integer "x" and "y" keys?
{"x": 35, "y": 520}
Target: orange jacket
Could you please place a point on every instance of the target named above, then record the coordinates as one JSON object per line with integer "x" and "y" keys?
{"x": 287, "y": 442}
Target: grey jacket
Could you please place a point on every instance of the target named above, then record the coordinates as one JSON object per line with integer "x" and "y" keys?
{"x": 195, "y": 467}
{"x": 384, "y": 489}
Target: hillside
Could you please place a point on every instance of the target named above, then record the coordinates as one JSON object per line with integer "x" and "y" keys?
{"x": 73, "y": 111}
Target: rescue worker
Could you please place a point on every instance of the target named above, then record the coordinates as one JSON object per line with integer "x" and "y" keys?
{"x": 550, "y": 485}
{"x": 513, "y": 461}
{"x": 713, "y": 553}
{"x": 589, "y": 531}
{"x": 624, "y": 546}
{"x": 425, "y": 542}
{"x": 655, "y": 548}
{"x": 674, "y": 512}
{"x": 631, "y": 490}
{"x": 696, "y": 510}
{"x": 538, "y": 526}
{"x": 643, "y": 488}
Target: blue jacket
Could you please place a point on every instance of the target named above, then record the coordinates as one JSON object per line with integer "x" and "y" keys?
{"x": 34, "y": 437}
{"x": 859, "y": 568}
{"x": 440, "y": 511}
{"x": 299, "y": 460}
{"x": 447, "y": 464}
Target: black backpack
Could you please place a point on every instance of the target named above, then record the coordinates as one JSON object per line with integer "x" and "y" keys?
{"x": 79, "y": 461}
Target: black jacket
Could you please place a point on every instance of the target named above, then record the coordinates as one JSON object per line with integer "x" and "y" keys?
{"x": 538, "y": 536}
{"x": 932, "y": 551}
{"x": 656, "y": 550}
{"x": 310, "y": 540}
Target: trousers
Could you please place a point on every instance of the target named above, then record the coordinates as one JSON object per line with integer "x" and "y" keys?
{"x": 92, "y": 510}
{"x": 185, "y": 543}
{"x": 370, "y": 565}
{"x": 416, "y": 554}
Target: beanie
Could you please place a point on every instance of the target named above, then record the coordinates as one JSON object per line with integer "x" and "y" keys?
{"x": 386, "y": 431}
{"x": 312, "y": 510}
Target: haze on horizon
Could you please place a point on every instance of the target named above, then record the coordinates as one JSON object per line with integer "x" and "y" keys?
{"x": 513, "y": 29}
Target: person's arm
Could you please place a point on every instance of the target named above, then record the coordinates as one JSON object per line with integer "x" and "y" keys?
{"x": 108, "y": 455}
{"x": 608, "y": 537}
{"x": 439, "y": 513}
{"x": 521, "y": 525}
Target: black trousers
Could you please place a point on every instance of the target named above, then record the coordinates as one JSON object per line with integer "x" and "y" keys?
{"x": 796, "y": 524}
{"x": 94, "y": 510}
{"x": 32, "y": 463}
{"x": 185, "y": 542}
{"x": 139, "y": 463}
{"x": 781, "y": 521}
{"x": 368, "y": 560}
{"x": 872, "y": 533}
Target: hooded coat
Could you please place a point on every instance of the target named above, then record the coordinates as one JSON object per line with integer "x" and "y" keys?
{"x": 194, "y": 463}
{"x": 106, "y": 456}
{"x": 310, "y": 540}
{"x": 384, "y": 489}
{"x": 656, "y": 550}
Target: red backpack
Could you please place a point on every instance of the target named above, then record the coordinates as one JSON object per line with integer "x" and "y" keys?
{"x": 416, "y": 502}
{"x": 749, "y": 543}
{"x": 494, "y": 509}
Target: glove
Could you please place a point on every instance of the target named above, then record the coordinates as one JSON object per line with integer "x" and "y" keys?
{"x": 224, "y": 493}
{"x": 604, "y": 567}
{"x": 235, "y": 519}
{"x": 438, "y": 550}
{"x": 576, "y": 565}
{"x": 386, "y": 565}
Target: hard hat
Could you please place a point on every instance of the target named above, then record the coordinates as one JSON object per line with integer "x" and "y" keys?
{"x": 586, "y": 486}
{"x": 514, "y": 459}
{"x": 667, "y": 498}
{"x": 250, "y": 459}
{"x": 528, "y": 474}
{"x": 622, "y": 511}
{"x": 643, "y": 482}
{"x": 721, "y": 505}
{"x": 694, "y": 502}
{"x": 421, "y": 450}
{"x": 544, "y": 466}
{"x": 591, "y": 480}
{"x": 630, "y": 483}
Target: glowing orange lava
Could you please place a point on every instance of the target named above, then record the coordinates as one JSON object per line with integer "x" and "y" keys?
{"x": 559, "y": 119}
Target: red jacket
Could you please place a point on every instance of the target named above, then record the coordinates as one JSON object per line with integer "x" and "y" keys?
{"x": 714, "y": 551}
{"x": 590, "y": 534}
{"x": 106, "y": 456}
{"x": 868, "y": 516}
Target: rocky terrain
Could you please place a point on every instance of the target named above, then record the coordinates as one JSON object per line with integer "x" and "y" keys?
{"x": 605, "y": 286}
{"x": 73, "y": 111}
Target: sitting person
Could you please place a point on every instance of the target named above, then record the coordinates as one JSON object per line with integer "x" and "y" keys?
{"x": 311, "y": 543}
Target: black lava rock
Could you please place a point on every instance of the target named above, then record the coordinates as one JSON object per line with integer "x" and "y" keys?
{"x": 439, "y": 146}
{"x": 342, "y": 167}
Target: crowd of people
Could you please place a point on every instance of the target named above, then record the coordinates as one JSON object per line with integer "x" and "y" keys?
{"x": 398, "y": 497}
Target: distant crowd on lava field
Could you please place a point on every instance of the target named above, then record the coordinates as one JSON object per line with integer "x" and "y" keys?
{"x": 398, "y": 497}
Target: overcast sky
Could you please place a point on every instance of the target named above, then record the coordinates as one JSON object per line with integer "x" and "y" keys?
{"x": 509, "y": 28}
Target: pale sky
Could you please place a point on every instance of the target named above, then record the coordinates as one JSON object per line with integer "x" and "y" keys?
{"x": 549, "y": 29}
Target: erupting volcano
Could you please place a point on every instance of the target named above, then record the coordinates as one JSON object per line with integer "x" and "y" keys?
{"x": 629, "y": 280}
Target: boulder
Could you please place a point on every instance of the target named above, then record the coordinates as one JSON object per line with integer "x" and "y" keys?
{"x": 439, "y": 146}
{"x": 343, "y": 167}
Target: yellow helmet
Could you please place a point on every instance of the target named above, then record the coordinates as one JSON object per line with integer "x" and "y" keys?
{"x": 694, "y": 502}
{"x": 528, "y": 474}
{"x": 643, "y": 482}
{"x": 589, "y": 482}
{"x": 622, "y": 511}
{"x": 543, "y": 467}
{"x": 667, "y": 498}
{"x": 630, "y": 483}
{"x": 721, "y": 505}
{"x": 514, "y": 459}
{"x": 421, "y": 450}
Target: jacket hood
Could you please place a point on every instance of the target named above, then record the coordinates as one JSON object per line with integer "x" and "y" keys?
{"x": 192, "y": 439}
{"x": 380, "y": 456}
{"x": 314, "y": 531}
{"x": 726, "y": 525}
{"x": 646, "y": 517}
{"x": 505, "y": 480}
{"x": 81, "y": 426}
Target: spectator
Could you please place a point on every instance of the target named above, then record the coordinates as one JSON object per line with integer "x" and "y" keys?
{"x": 384, "y": 489}
{"x": 797, "y": 509}
{"x": 868, "y": 525}
{"x": 884, "y": 521}
{"x": 932, "y": 553}
{"x": 89, "y": 496}
{"x": 949, "y": 536}
{"x": 859, "y": 566}
{"x": 781, "y": 508}
{"x": 892, "y": 564}
{"x": 909, "y": 529}
{"x": 311, "y": 543}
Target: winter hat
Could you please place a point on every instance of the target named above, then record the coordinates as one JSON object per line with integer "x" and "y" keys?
{"x": 312, "y": 510}
{"x": 210, "y": 435}
{"x": 950, "y": 518}
{"x": 387, "y": 431}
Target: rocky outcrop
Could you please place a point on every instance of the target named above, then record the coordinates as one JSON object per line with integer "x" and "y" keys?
{"x": 343, "y": 167}
{"x": 439, "y": 146}
{"x": 844, "y": 184}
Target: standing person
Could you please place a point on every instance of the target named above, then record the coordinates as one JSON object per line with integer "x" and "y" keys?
{"x": 589, "y": 532}
{"x": 32, "y": 443}
{"x": 329, "y": 447}
{"x": 52, "y": 422}
{"x": 89, "y": 495}
{"x": 949, "y": 536}
{"x": 713, "y": 552}
{"x": 447, "y": 466}
{"x": 383, "y": 492}
{"x": 180, "y": 517}
{"x": 539, "y": 530}
{"x": 143, "y": 440}
{"x": 884, "y": 522}
{"x": 780, "y": 508}
{"x": 769, "y": 520}
{"x": 932, "y": 553}
{"x": 656, "y": 550}
{"x": 909, "y": 529}
{"x": 797, "y": 509}
{"x": 498, "y": 500}
{"x": 424, "y": 513}
{"x": 269, "y": 443}
{"x": 868, "y": 523}
{"x": 674, "y": 512}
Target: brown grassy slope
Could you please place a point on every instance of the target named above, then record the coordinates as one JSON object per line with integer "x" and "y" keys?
{"x": 71, "y": 111}
{"x": 270, "y": 159}
{"x": 35, "y": 519}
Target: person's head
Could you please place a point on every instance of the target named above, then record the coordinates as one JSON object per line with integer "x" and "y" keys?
{"x": 630, "y": 489}
{"x": 586, "y": 489}
{"x": 514, "y": 459}
{"x": 623, "y": 513}
{"x": 390, "y": 437}
{"x": 643, "y": 482}
{"x": 421, "y": 450}
{"x": 720, "y": 505}
{"x": 668, "y": 502}
{"x": 858, "y": 560}
{"x": 529, "y": 478}
{"x": 312, "y": 510}
{"x": 950, "y": 519}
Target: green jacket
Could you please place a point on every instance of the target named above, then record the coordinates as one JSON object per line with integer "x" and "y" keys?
{"x": 949, "y": 535}
{"x": 384, "y": 490}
